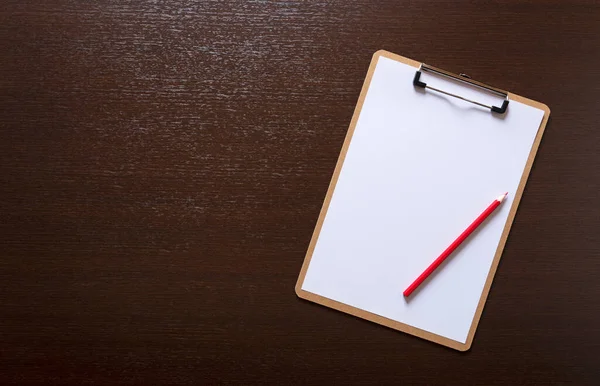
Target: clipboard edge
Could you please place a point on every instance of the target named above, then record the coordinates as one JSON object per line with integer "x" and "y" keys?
{"x": 399, "y": 326}
{"x": 386, "y": 322}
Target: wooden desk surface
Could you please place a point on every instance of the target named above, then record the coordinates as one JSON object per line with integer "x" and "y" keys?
{"x": 163, "y": 165}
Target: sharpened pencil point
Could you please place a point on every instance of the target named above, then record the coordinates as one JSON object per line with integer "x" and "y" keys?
{"x": 502, "y": 197}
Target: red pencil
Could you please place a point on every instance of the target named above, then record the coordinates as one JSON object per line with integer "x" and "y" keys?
{"x": 454, "y": 245}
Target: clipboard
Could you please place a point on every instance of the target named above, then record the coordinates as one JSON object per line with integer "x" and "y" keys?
{"x": 361, "y": 253}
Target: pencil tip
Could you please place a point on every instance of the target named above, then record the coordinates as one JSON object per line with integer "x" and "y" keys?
{"x": 502, "y": 197}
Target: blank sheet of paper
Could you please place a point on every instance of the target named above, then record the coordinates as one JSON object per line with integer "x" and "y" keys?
{"x": 419, "y": 169}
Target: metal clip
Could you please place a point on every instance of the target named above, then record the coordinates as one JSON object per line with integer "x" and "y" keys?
{"x": 464, "y": 79}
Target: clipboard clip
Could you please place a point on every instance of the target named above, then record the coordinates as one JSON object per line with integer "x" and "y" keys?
{"x": 463, "y": 78}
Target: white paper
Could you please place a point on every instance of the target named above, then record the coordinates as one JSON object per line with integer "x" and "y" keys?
{"x": 420, "y": 168}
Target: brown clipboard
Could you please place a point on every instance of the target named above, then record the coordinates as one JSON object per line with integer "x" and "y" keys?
{"x": 513, "y": 209}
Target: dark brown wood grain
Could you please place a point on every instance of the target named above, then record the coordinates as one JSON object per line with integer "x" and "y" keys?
{"x": 163, "y": 164}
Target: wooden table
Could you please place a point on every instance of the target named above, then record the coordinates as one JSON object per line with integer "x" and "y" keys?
{"x": 163, "y": 165}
